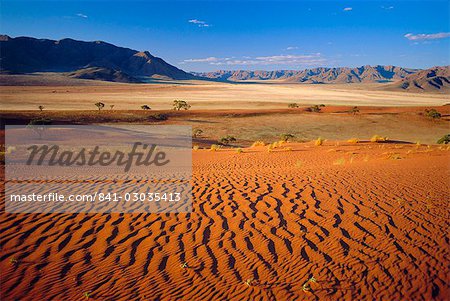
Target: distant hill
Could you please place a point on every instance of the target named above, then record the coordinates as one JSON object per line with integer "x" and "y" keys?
{"x": 99, "y": 60}
{"x": 106, "y": 74}
{"x": 341, "y": 75}
{"x": 435, "y": 79}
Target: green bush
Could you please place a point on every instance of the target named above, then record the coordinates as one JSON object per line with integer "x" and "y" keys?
{"x": 159, "y": 117}
{"x": 286, "y": 137}
{"x": 444, "y": 140}
{"x": 227, "y": 140}
{"x": 432, "y": 113}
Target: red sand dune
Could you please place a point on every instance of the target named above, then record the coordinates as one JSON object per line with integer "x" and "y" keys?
{"x": 368, "y": 221}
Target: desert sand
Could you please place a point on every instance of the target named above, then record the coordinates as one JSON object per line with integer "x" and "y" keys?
{"x": 368, "y": 221}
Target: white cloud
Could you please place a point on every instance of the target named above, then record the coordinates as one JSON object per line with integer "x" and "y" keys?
{"x": 291, "y": 48}
{"x": 427, "y": 36}
{"x": 199, "y": 23}
{"x": 306, "y": 60}
{"x": 348, "y": 9}
{"x": 82, "y": 15}
{"x": 387, "y": 7}
{"x": 204, "y": 60}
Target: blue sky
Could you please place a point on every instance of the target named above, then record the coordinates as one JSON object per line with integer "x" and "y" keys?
{"x": 253, "y": 35}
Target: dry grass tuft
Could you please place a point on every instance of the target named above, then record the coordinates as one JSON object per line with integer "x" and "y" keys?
{"x": 378, "y": 138}
{"x": 214, "y": 147}
{"x": 258, "y": 143}
{"x": 353, "y": 140}
{"x": 319, "y": 142}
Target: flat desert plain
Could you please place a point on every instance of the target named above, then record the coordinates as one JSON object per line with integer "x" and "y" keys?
{"x": 339, "y": 221}
{"x": 71, "y": 94}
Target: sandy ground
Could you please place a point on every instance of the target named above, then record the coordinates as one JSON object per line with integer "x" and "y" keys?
{"x": 368, "y": 221}
{"x": 206, "y": 95}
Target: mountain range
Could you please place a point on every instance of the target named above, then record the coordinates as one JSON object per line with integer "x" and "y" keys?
{"x": 103, "y": 61}
{"x": 89, "y": 60}
{"x": 434, "y": 79}
{"x": 320, "y": 75}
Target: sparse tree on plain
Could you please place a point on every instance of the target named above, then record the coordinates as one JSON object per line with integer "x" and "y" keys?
{"x": 99, "y": 105}
{"x": 180, "y": 105}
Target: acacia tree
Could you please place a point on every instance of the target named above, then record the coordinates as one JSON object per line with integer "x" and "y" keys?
{"x": 41, "y": 108}
{"x": 99, "y": 105}
{"x": 145, "y": 107}
{"x": 180, "y": 105}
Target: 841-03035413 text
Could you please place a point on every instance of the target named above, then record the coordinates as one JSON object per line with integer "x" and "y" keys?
{"x": 98, "y": 197}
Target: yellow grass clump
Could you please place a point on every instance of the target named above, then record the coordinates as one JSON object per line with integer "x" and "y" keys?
{"x": 214, "y": 147}
{"x": 319, "y": 142}
{"x": 196, "y": 147}
{"x": 378, "y": 138}
{"x": 353, "y": 140}
{"x": 239, "y": 150}
{"x": 258, "y": 143}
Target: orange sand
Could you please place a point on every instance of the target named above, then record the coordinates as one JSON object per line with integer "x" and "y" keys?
{"x": 368, "y": 221}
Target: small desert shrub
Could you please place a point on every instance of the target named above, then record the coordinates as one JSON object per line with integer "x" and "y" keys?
{"x": 444, "y": 140}
{"x": 315, "y": 108}
{"x": 432, "y": 113}
{"x": 354, "y": 110}
{"x": 293, "y": 105}
{"x": 159, "y": 117}
{"x": 378, "y": 138}
{"x": 184, "y": 265}
{"x": 239, "y": 150}
{"x": 214, "y": 147}
{"x": 286, "y": 137}
{"x": 197, "y": 133}
{"x": 195, "y": 147}
{"x": 319, "y": 142}
{"x": 227, "y": 140}
{"x": 145, "y": 107}
{"x": 289, "y": 149}
{"x": 353, "y": 140}
{"x": 258, "y": 143}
